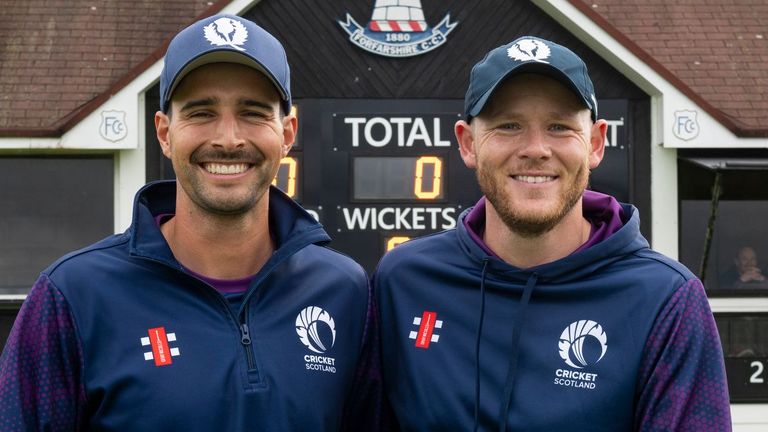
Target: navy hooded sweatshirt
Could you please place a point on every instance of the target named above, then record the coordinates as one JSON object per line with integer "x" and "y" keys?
{"x": 614, "y": 337}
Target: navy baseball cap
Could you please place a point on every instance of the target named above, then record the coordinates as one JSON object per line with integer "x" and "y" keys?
{"x": 528, "y": 54}
{"x": 225, "y": 39}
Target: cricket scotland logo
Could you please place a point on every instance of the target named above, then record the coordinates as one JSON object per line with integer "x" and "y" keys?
{"x": 316, "y": 329}
{"x": 571, "y": 344}
{"x": 582, "y": 344}
{"x": 398, "y": 29}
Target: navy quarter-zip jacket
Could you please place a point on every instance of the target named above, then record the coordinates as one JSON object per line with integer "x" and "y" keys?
{"x": 119, "y": 337}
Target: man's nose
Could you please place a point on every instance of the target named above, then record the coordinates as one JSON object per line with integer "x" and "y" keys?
{"x": 229, "y": 134}
{"x": 535, "y": 144}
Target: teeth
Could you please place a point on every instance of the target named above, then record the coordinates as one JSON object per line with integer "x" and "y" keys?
{"x": 216, "y": 168}
{"x": 534, "y": 179}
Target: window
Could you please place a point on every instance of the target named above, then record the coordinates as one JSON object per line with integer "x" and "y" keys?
{"x": 736, "y": 243}
{"x": 50, "y": 206}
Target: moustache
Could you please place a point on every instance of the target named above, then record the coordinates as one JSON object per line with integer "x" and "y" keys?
{"x": 251, "y": 156}
{"x": 532, "y": 165}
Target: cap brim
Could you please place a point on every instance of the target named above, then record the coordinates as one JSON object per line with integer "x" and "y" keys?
{"x": 222, "y": 56}
{"x": 535, "y": 68}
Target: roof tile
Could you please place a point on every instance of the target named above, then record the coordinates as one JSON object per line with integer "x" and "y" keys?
{"x": 57, "y": 55}
{"x": 728, "y": 39}
{"x": 65, "y": 53}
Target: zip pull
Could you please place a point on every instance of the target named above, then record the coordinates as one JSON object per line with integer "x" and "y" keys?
{"x": 245, "y": 335}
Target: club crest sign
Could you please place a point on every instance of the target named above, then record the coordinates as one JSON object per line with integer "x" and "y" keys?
{"x": 398, "y": 29}
{"x": 112, "y": 127}
{"x": 686, "y": 126}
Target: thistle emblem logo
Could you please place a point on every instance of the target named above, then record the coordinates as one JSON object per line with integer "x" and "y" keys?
{"x": 316, "y": 329}
{"x": 572, "y": 343}
{"x": 226, "y": 32}
{"x": 529, "y": 50}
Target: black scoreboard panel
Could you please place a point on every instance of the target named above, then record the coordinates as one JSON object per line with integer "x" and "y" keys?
{"x": 745, "y": 344}
{"x": 378, "y": 172}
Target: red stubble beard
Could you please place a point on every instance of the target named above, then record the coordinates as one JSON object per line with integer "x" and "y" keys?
{"x": 530, "y": 224}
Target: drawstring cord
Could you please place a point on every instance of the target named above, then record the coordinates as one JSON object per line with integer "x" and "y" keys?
{"x": 477, "y": 344}
{"x": 516, "y": 332}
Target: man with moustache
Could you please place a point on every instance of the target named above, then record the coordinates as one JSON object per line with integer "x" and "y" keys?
{"x": 545, "y": 309}
{"x": 219, "y": 309}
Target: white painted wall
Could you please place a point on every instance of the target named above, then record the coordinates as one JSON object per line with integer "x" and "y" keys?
{"x": 749, "y": 417}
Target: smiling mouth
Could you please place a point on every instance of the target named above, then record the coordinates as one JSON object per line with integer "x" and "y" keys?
{"x": 534, "y": 179}
{"x": 226, "y": 169}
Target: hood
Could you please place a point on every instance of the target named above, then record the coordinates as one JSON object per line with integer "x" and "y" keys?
{"x": 597, "y": 207}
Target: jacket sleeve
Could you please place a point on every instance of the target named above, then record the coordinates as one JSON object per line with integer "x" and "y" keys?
{"x": 681, "y": 381}
{"x": 41, "y": 366}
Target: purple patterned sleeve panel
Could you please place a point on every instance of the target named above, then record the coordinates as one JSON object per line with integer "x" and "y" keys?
{"x": 41, "y": 367}
{"x": 681, "y": 382}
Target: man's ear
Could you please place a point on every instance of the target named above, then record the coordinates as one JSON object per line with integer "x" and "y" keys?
{"x": 290, "y": 129}
{"x": 466, "y": 140}
{"x": 162, "y": 123}
{"x": 597, "y": 140}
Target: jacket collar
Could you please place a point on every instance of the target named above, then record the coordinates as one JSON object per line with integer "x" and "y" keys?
{"x": 291, "y": 226}
{"x": 624, "y": 240}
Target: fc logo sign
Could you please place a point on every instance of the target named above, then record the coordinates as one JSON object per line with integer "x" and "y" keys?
{"x": 112, "y": 127}
{"x": 686, "y": 127}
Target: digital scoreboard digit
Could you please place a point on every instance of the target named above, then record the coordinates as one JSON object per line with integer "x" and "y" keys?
{"x": 287, "y": 178}
{"x": 397, "y": 178}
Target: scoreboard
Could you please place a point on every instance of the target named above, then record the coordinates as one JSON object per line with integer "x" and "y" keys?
{"x": 378, "y": 172}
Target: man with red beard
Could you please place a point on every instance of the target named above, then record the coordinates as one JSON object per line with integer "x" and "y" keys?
{"x": 545, "y": 309}
{"x": 220, "y": 308}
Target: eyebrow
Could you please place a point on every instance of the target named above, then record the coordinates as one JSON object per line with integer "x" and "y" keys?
{"x": 254, "y": 104}
{"x": 199, "y": 102}
{"x": 562, "y": 114}
{"x": 213, "y": 101}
